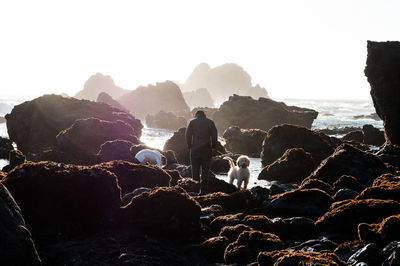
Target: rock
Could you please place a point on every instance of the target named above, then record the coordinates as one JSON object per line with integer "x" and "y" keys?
{"x": 309, "y": 183}
{"x": 293, "y": 166}
{"x": 276, "y": 188}
{"x": 373, "y": 116}
{"x": 298, "y": 228}
{"x": 316, "y": 245}
{"x": 116, "y": 150}
{"x": 17, "y": 247}
{"x": 106, "y": 98}
{"x": 373, "y": 136}
{"x": 213, "y": 248}
{"x": 237, "y": 201}
{"x": 259, "y": 194}
{"x": 165, "y": 96}
{"x": 189, "y": 184}
{"x": 390, "y": 154}
{"x": 382, "y": 67}
{"x": 357, "y": 136}
{"x": 385, "y": 190}
{"x": 233, "y": 232}
{"x": 5, "y": 147}
{"x": 97, "y": 84}
{"x": 346, "y": 249}
{"x": 208, "y": 214}
{"x": 219, "y": 164}
{"x": 310, "y": 203}
{"x": 245, "y": 112}
{"x": 34, "y": 125}
{"x": 175, "y": 176}
{"x": 382, "y": 233}
{"x": 165, "y": 211}
{"x": 347, "y": 182}
{"x": 59, "y": 201}
{"x": 132, "y": 176}
{"x": 345, "y": 194}
{"x": 126, "y": 198}
{"x": 348, "y": 160}
{"x": 392, "y": 254}
{"x": 368, "y": 254}
{"x": 256, "y": 92}
{"x": 86, "y": 135}
{"x": 283, "y": 137}
{"x": 165, "y": 120}
{"x": 284, "y": 257}
{"x": 247, "y": 246}
{"x": 244, "y": 141}
{"x": 344, "y": 217}
{"x": 227, "y": 220}
{"x": 213, "y": 184}
{"x": 198, "y": 98}
{"x": 16, "y": 158}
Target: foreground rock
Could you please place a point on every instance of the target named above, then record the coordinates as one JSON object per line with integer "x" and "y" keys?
{"x": 163, "y": 211}
{"x": 198, "y": 98}
{"x": 16, "y": 158}
{"x": 383, "y": 65}
{"x": 245, "y": 112}
{"x": 17, "y": 247}
{"x": 283, "y": 137}
{"x": 284, "y": 257}
{"x": 373, "y": 136}
{"x": 5, "y": 147}
{"x": 165, "y": 96}
{"x": 105, "y": 98}
{"x": 34, "y": 125}
{"x": 244, "y": 141}
{"x": 165, "y": 120}
{"x": 59, "y": 201}
{"x": 294, "y": 165}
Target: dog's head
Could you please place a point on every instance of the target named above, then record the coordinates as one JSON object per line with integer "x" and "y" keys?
{"x": 243, "y": 161}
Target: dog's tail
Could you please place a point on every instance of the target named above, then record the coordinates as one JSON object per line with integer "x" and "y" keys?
{"x": 231, "y": 162}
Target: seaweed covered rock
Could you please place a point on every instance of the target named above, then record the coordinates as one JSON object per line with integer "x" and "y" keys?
{"x": 132, "y": 176}
{"x": 231, "y": 225}
{"x": 116, "y": 150}
{"x": 16, "y": 247}
{"x": 232, "y": 232}
{"x": 284, "y": 257}
{"x": 384, "y": 187}
{"x": 34, "y": 125}
{"x": 247, "y": 246}
{"x": 165, "y": 211}
{"x": 356, "y": 135}
{"x": 165, "y": 96}
{"x": 213, "y": 184}
{"x": 383, "y": 233}
{"x": 293, "y": 166}
{"x": 245, "y": 112}
{"x": 344, "y": 217}
{"x": 310, "y": 203}
{"x": 5, "y": 147}
{"x": 347, "y": 182}
{"x": 309, "y": 183}
{"x": 213, "y": 249}
{"x": 236, "y": 201}
{"x": 283, "y": 137}
{"x": 383, "y": 65}
{"x": 244, "y": 141}
{"x": 390, "y": 154}
{"x": 373, "y": 136}
{"x": 166, "y": 120}
{"x": 348, "y": 160}
{"x": 59, "y": 200}
{"x": 16, "y": 157}
{"x": 189, "y": 184}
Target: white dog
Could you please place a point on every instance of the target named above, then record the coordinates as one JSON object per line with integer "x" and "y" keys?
{"x": 240, "y": 172}
{"x": 151, "y": 157}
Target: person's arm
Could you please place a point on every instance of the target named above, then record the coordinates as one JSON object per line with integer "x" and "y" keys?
{"x": 214, "y": 135}
{"x": 189, "y": 135}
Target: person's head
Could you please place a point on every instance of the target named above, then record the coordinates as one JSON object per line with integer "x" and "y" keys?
{"x": 200, "y": 113}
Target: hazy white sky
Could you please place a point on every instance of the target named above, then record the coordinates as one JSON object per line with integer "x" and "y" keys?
{"x": 295, "y": 49}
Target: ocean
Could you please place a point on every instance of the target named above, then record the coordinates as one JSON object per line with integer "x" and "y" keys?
{"x": 332, "y": 113}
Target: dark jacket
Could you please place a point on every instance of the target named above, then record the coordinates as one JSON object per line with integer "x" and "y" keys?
{"x": 201, "y": 134}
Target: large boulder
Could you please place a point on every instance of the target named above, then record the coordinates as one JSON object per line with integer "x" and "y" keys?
{"x": 198, "y": 98}
{"x": 294, "y": 165}
{"x": 383, "y": 65}
{"x": 283, "y": 137}
{"x": 285, "y": 257}
{"x": 16, "y": 158}
{"x": 348, "y": 160}
{"x": 244, "y": 141}
{"x": 384, "y": 187}
{"x": 245, "y": 112}
{"x": 106, "y": 98}
{"x": 166, "y": 120}
{"x": 236, "y": 201}
{"x": 373, "y": 136}
{"x": 16, "y": 246}
{"x": 116, "y": 150}
{"x": 97, "y": 84}
{"x": 165, "y": 96}
{"x": 165, "y": 211}
{"x": 60, "y": 200}
{"x": 34, "y": 125}
{"x": 256, "y": 92}
{"x": 383, "y": 233}
{"x": 5, "y": 147}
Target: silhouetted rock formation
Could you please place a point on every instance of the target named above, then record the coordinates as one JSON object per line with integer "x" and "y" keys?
{"x": 5, "y": 147}
{"x": 116, "y": 150}
{"x": 373, "y": 136}
{"x": 383, "y": 66}
{"x": 256, "y": 92}
{"x": 245, "y": 112}
{"x": 356, "y": 135}
{"x": 370, "y": 116}
{"x": 34, "y": 125}
{"x": 165, "y": 96}
{"x": 165, "y": 120}
{"x": 16, "y": 158}
{"x": 97, "y": 84}
{"x": 200, "y": 97}
{"x": 17, "y": 247}
{"x": 283, "y": 137}
{"x": 105, "y": 98}
{"x": 244, "y": 141}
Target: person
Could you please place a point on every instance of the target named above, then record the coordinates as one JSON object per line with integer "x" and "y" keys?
{"x": 201, "y": 138}
{"x": 151, "y": 157}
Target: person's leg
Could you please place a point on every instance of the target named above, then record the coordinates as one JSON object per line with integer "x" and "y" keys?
{"x": 195, "y": 162}
{"x": 205, "y": 166}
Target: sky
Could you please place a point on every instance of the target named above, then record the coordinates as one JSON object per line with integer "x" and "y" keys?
{"x": 295, "y": 49}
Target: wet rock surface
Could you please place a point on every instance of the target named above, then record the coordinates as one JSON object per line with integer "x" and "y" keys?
{"x": 244, "y": 141}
